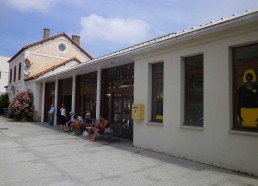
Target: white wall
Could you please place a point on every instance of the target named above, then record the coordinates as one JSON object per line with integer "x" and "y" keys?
{"x": 215, "y": 143}
{"x": 4, "y": 69}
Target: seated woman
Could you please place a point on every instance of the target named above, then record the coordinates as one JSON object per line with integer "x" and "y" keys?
{"x": 99, "y": 127}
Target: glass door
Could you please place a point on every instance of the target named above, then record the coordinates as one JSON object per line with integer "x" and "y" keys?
{"x": 121, "y": 112}
{"x": 118, "y": 92}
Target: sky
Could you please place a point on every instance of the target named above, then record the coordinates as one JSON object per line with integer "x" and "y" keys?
{"x": 106, "y": 26}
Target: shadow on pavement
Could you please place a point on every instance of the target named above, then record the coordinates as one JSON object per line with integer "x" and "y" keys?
{"x": 127, "y": 145}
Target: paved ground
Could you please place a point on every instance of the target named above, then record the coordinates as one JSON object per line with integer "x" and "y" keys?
{"x": 36, "y": 154}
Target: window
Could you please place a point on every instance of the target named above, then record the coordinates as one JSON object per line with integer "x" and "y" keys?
{"x": 19, "y": 75}
{"x": 157, "y": 92}
{"x": 194, "y": 90}
{"x": 62, "y": 47}
{"x": 11, "y": 74}
{"x": 245, "y": 87}
{"x": 14, "y": 74}
{"x": 86, "y": 93}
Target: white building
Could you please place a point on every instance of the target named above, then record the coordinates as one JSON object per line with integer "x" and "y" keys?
{"x": 191, "y": 94}
{"x": 4, "y": 69}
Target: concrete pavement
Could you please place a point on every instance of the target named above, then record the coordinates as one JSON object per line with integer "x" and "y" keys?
{"x": 36, "y": 154}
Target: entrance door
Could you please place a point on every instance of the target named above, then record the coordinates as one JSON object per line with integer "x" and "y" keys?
{"x": 121, "y": 112}
{"x": 118, "y": 89}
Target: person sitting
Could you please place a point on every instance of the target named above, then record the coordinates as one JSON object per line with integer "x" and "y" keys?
{"x": 99, "y": 127}
{"x": 69, "y": 125}
{"x": 77, "y": 126}
{"x": 88, "y": 119}
{"x": 87, "y": 122}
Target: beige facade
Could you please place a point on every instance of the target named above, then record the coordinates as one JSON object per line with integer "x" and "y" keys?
{"x": 50, "y": 55}
{"x": 4, "y": 68}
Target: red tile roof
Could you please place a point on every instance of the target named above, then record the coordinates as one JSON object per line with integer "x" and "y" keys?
{"x": 47, "y": 39}
{"x": 51, "y": 68}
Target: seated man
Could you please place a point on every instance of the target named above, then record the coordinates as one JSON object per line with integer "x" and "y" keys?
{"x": 87, "y": 123}
{"x": 99, "y": 127}
{"x": 70, "y": 123}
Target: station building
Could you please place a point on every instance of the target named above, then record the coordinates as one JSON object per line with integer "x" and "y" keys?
{"x": 190, "y": 94}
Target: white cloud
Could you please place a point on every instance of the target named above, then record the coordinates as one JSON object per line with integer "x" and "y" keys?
{"x": 116, "y": 30}
{"x": 25, "y": 5}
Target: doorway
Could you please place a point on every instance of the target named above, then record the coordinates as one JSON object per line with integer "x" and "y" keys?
{"x": 65, "y": 93}
{"x": 121, "y": 105}
{"x": 118, "y": 91}
{"x": 49, "y": 99}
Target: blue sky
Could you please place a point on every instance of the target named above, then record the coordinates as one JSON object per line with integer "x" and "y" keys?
{"x": 106, "y": 26}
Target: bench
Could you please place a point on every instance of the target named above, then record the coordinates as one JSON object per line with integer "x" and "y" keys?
{"x": 117, "y": 131}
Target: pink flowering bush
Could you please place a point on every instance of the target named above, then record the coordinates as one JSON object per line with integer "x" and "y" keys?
{"x": 22, "y": 106}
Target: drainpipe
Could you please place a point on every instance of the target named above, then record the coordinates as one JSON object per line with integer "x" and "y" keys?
{"x": 73, "y": 93}
{"x": 43, "y": 102}
{"x": 98, "y": 100}
{"x": 56, "y": 101}
{"x": 36, "y": 100}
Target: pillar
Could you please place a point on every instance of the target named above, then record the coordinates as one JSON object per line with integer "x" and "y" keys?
{"x": 98, "y": 99}
{"x": 73, "y": 93}
{"x": 56, "y": 101}
{"x": 43, "y": 101}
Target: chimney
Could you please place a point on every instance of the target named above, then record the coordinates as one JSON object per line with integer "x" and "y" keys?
{"x": 46, "y": 33}
{"x": 76, "y": 39}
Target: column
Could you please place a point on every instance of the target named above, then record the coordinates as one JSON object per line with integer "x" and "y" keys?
{"x": 56, "y": 101}
{"x": 43, "y": 101}
{"x": 98, "y": 99}
{"x": 73, "y": 93}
